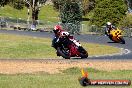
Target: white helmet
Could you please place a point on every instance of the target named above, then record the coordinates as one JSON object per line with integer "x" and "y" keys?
{"x": 108, "y": 23}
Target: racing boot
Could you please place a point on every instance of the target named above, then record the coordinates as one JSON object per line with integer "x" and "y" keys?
{"x": 58, "y": 54}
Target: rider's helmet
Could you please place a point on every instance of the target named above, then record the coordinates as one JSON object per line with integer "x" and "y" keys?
{"x": 57, "y": 29}
{"x": 108, "y": 24}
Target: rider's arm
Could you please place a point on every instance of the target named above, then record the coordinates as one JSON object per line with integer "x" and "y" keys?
{"x": 65, "y": 33}
{"x": 114, "y": 27}
{"x": 106, "y": 30}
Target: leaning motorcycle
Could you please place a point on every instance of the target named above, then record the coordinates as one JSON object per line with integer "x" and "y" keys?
{"x": 68, "y": 48}
{"x": 116, "y": 36}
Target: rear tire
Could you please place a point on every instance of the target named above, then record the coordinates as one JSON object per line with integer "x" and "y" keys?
{"x": 83, "y": 52}
{"x": 62, "y": 54}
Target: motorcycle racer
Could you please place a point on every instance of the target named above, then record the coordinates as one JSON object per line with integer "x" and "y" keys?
{"x": 108, "y": 28}
{"x": 60, "y": 33}
{"x": 66, "y": 45}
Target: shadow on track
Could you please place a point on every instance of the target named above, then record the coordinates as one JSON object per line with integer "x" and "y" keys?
{"x": 115, "y": 42}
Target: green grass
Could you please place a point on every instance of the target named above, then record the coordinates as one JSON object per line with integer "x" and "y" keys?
{"x": 97, "y": 49}
{"x": 20, "y": 47}
{"x": 47, "y": 13}
{"x": 8, "y": 11}
{"x": 25, "y": 47}
{"x": 69, "y": 79}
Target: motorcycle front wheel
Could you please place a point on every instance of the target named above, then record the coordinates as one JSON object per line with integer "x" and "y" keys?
{"x": 122, "y": 40}
{"x": 83, "y": 52}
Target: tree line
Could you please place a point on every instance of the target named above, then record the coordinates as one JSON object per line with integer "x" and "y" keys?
{"x": 72, "y": 11}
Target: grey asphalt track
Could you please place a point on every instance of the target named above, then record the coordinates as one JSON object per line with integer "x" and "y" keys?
{"x": 126, "y": 54}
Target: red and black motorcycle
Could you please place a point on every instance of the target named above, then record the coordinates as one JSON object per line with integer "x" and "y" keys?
{"x": 69, "y": 47}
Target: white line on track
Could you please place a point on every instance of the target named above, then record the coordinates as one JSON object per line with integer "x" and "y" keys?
{"x": 122, "y": 52}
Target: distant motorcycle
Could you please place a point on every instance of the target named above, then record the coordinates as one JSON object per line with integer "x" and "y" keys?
{"x": 116, "y": 36}
{"x": 69, "y": 47}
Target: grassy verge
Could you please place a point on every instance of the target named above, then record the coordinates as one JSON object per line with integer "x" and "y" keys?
{"x": 67, "y": 80}
{"x": 25, "y": 47}
{"x": 47, "y": 13}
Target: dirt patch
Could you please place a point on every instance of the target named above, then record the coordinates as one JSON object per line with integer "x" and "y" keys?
{"x": 54, "y": 66}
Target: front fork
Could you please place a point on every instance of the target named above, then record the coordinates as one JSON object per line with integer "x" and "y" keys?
{"x": 119, "y": 36}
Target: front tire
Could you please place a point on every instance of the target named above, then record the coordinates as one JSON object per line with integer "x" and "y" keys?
{"x": 122, "y": 40}
{"x": 83, "y": 52}
{"x": 62, "y": 53}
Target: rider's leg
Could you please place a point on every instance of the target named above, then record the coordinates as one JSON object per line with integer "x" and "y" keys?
{"x": 53, "y": 45}
{"x": 53, "y": 42}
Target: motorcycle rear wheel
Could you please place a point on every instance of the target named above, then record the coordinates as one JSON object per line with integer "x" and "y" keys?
{"x": 62, "y": 53}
